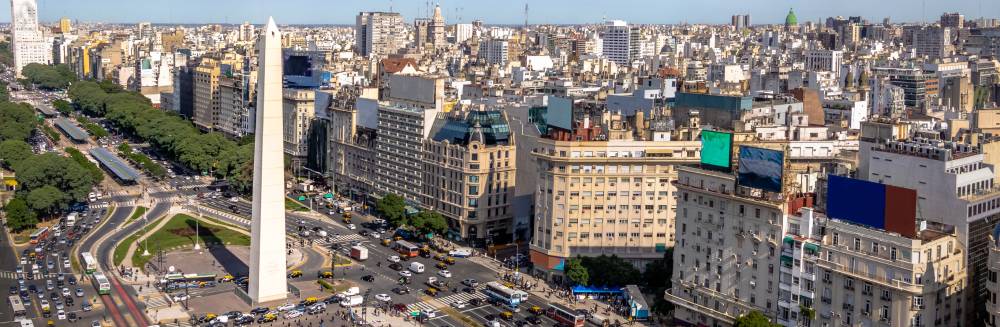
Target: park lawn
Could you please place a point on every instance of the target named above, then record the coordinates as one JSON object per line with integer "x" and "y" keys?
{"x": 293, "y": 205}
{"x": 122, "y": 248}
{"x": 180, "y": 231}
{"x": 340, "y": 261}
{"x": 139, "y": 211}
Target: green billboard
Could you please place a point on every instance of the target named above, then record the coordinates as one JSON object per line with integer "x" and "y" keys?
{"x": 716, "y": 149}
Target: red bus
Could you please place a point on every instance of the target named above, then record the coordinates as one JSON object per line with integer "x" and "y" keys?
{"x": 565, "y": 315}
{"x": 39, "y": 235}
{"x": 407, "y": 249}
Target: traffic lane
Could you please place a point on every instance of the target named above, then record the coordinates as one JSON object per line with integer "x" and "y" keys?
{"x": 8, "y": 258}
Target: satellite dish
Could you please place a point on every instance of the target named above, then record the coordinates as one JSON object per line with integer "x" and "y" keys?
{"x": 171, "y": 269}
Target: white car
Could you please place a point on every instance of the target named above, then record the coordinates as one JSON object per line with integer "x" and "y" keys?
{"x": 444, "y": 273}
{"x": 405, "y": 273}
{"x": 61, "y": 315}
{"x": 181, "y": 297}
{"x": 383, "y": 297}
{"x": 394, "y": 258}
{"x": 286, "y": 307}
{"x": 430, "y": 313}
{"x": 293, "y": 314}
{"x": 376, "y": 235}
{"x": 459, "y": 304}
{"x": 351, "y": 227}
{"x": 65, "y": 291}
{"x": 66, "y": 264}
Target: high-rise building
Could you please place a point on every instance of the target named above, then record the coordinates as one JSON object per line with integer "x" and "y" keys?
{"x": 494, "y": 51}
{"x": 267, "y": 248}
{"x": 299, "y": 110}
{"x": 620, "y": 42}
{"x": 65, "y": 26}
{"x": 144, "y": 30}
{"x": 404, "y": 123}
{"x": 824, "y": 60}
{"x": 953, "y": 20}
{"x": 470, "y": 173}
{"x": 429, "y": 32}
{"x": 205, "y": 87}
{"x": 28, "y": 44}
{"x": 462, "y": 32}
{"x": 741, "y": 21}
{"x": 379, "y": 33}
{"x": 930, "y": 41}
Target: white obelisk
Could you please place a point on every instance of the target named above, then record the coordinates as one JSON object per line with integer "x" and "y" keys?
{"x": 267, "y": 257}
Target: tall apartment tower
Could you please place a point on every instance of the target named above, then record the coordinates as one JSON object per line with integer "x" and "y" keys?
{"x": 621, "y": 42}
{"x": 953, "y": 19}
{"x": 429, "y": 32}
{"x": 267, "y": 243}
{"x": 379, "y": 33}
{"x": 28, "y": 44}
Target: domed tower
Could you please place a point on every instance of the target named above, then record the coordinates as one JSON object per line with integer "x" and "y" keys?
{"x": 791, "y": 22}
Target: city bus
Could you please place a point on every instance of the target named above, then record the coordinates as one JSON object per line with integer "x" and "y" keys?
{"x": 512, "y": 298}
{"x": 407, "y": 249}
{"x": 89, "y": 263}
{"x": 17, "y": 306}
{"x": 101, "y": 283}
{"x": 566, "y": 315}
{"x": 39, "y": 235}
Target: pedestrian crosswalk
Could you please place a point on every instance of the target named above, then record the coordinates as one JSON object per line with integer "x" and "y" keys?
{"x": 14, "y": 274}
{"x": 157, "y": 302}
{"x": 339, "y": 239}
{"x": 445, "y": 300}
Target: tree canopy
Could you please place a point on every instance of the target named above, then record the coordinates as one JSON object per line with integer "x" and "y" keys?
{"x": 429, "y": 221}
{"x": 392, "y": 208}
{"x": 19, "y": 216}
{"x": 51, "y": 169}
{"x": 17, "y": 120}
{"x": 49, "y": 77}
{"x": 610, "y": 271}
{"x": 62, "y": 106}
{"x": 575, "y": 272}
{"x": 13, "y": 152}
{"x": 657, "y": 280}
{"x": 754, "y": 319}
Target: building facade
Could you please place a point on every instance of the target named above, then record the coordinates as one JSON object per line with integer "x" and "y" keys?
{"x": 379, "y": 33}
{"x": 28, "y": 44}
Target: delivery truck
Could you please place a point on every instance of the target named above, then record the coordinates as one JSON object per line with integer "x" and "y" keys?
{"x": 359, "y": 253}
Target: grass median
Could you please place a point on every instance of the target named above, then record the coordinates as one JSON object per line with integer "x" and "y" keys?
{"x": 180, "y": 231}
{"x": 139, "y": 211}
{"x": 293, "y": 205}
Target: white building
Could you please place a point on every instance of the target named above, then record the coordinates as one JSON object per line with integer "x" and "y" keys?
{"x": 620, "y": 42}
{"x": 29, "y": 45}
{"x": 494, "y": 51}
{"x": 379, "y": 33}
{"x": 404, "y": 122}
{"x": 824, "y": 60}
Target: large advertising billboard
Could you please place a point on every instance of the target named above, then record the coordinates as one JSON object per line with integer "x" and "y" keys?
{"x": 761, "y": 168}
{"x": 716, "y": 149}
{"x": 872, "y": 204}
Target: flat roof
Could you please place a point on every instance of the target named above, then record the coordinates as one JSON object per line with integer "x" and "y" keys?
{"x": 46, "y": 110}
{"x": 114, "y": 164}
{"x": 74, "y": 132}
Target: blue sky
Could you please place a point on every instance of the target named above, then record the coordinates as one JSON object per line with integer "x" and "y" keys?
{"x": 499, "y": 11}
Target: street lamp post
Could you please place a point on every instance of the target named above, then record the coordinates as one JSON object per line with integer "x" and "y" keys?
{"x": 145, "y": 222}
{"x": 197, "y": 232}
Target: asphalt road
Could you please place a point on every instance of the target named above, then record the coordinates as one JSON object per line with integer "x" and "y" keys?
{"x": 8, "y": 258}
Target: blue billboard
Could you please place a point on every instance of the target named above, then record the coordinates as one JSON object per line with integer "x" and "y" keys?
{"x": 761, "y": 168}
{"x": 856, "y": 200}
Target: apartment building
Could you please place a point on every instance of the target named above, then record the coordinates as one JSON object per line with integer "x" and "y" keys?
{"x": 727, "y": 249}
{"x": 379, "y": 33}
{"x": 206, "y": 94}
{"x": 404, "y": 122}
{"x": 299, "y": 108}
{"x": 352, "y": 134}
{"x": 834, "y": 272}
{"x": 610, "y": 197}
{"x": 470, "y": 173}
{"x": 992, "y": 285}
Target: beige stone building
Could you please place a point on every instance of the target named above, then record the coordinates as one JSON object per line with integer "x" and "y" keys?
{"x": 469, "y": 175}
{"x": 206, "y": 94}
{"x": 299, "y": 108}
{"x": 740, "y": 250}
{"x": 605, "y": 197}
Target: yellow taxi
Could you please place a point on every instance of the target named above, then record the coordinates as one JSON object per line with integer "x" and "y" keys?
{"x": 295, "y": 274}
{"x": 535, "y": 310}
{"x": 324, "y": 274}
{"x": 507, "y": 315}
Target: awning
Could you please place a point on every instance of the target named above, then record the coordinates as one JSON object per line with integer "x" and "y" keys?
{"x": 786, "y": 259}
{"x": 661, "y": 247}
{"x": 812, "y": 247}
{"x": 790, "y": 240}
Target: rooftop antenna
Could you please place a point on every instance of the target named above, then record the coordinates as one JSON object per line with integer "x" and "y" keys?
{"x": 923, "y": 12}
{"x": 525, "y": 15}
{"x": 390, "y": 5}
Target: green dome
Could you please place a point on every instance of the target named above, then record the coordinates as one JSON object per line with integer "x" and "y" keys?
{"x": 791, "y": 20}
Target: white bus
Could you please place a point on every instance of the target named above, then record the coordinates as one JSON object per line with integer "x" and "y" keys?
{"x": 511, "y": 297}
{"x": 101, "y": 283}
{"x": 89, "y": 263}
{"x": 17, "y": 306}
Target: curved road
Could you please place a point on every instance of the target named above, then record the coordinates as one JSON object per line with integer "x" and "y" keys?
{"x": 103, "y": 250}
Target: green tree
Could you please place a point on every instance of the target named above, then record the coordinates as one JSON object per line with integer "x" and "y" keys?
{"x": 51, "y": 169}
{"x": 17, "y": 120}
{"x": 611, "y": 271}
{"x": 429, "y": 221}
{"x": 754, "y": 319}
{"x": 95, "y": 172}
{"x": 13, "y": 152}
{"x": 47, "y": 199}
{"x": 657, "y": 280}
{"x": 576, "y": 272}
{"x": 62, "y": 106}
{"x": 4, "y": 92}
{"x": 392, "y": 208}
{"x": 49, "y": 77}
{"x": 18, "y": 216}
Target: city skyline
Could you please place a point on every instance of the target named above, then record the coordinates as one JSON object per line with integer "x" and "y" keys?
{"x": 547, "y": 12}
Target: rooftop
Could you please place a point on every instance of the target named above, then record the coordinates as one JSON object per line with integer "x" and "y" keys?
{"x": 71, "y": 130}
{"x": 114, "y": 164}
